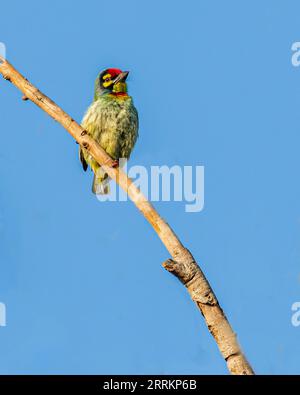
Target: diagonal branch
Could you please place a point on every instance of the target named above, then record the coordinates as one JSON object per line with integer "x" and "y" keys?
{"x": 183, "y": 265}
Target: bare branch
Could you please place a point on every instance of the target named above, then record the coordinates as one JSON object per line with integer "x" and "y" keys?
{"x": 183, "y": 264}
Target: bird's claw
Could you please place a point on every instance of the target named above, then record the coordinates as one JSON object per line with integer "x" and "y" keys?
{"x": 115, "y": 164}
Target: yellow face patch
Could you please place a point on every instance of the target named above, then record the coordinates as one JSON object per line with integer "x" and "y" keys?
{"x": 108, "y": 82}
{"x": 120, "y": 87}
{"x": 106, "y": 76}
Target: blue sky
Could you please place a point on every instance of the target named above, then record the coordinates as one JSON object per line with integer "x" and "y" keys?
{"x": 82, "y": 280}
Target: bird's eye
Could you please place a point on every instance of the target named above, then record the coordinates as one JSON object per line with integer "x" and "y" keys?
{"x": 107, "y": 79}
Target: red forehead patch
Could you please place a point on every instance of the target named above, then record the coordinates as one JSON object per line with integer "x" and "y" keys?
{"x": 114, "y": 72}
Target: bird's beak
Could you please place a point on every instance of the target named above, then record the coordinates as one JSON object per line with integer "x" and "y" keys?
{"x": 121, "y": 77}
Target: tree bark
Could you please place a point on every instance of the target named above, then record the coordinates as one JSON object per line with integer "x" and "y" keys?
{"x": 182, "y": 264}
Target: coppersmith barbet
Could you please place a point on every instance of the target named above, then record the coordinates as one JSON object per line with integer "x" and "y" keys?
{"x": 112, "y": 120}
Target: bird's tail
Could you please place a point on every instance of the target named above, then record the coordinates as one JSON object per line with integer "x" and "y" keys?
{"x": 101, "y": 183}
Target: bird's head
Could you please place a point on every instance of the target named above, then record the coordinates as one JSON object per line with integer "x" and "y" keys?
{"x": 111, "y": 81}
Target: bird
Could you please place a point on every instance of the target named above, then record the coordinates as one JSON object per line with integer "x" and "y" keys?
{"x": 112, "y": 121}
